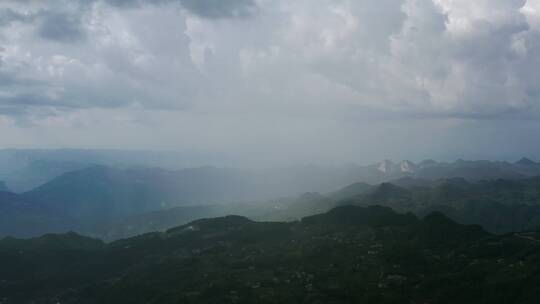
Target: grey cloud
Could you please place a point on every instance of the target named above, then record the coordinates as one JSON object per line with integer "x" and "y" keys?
{"x": 19, "y": 107}
{"x": 11, "y": 111}
{"x": 220, "y": 8}
{"x": 11, "y": 81}
{"x": 129, "y": 3}
{"x": 412, "y": 62}
{"x": 51, "y": 25}
{"x": 7, "y": 16}
{"x": 25, "y": 100}
{"x": 298, "y": 66}
{"x": 7, "y": 79}
{"x": 61, "y": 27}
{"x": 211, "y": 9}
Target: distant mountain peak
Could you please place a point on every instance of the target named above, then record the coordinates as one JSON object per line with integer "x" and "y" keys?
{"x": 386, "y": 166}
{"x": 525, "y": 161}
{"x": 3, "y": 186}
{"x": 407, "y": 166}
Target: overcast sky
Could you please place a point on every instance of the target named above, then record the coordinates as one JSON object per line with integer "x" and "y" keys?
{"x": 274, "y": 81}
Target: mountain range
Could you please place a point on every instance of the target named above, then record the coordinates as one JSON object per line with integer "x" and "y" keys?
{"x": 23, "y": 170}
{"x": 428, "y": 232}
{"x": 114, "y": 202}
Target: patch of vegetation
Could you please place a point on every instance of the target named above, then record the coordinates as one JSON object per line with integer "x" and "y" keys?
{"x": 348, "y": 255}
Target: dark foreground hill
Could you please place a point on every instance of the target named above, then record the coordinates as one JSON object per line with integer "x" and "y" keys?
{"x": 348, "y": 255}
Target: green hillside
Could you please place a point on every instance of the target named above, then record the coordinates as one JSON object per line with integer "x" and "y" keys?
{"x": 348, "y": 255}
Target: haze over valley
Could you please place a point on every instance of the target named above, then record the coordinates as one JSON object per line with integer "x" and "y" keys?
{"x": 269, "y": 151}
{"x": 103, "y": 194}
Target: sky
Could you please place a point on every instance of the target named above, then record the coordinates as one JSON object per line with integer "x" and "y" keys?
{"x": 274, "y": 81}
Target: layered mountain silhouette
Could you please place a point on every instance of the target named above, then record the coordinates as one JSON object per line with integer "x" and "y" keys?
{"x": 24, "y": 170}
{"x": 115, "y": 202}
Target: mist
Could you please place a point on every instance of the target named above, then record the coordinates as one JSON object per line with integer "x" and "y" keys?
{"x": 270, "y": 83}
{"x": 269, "y": 151}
